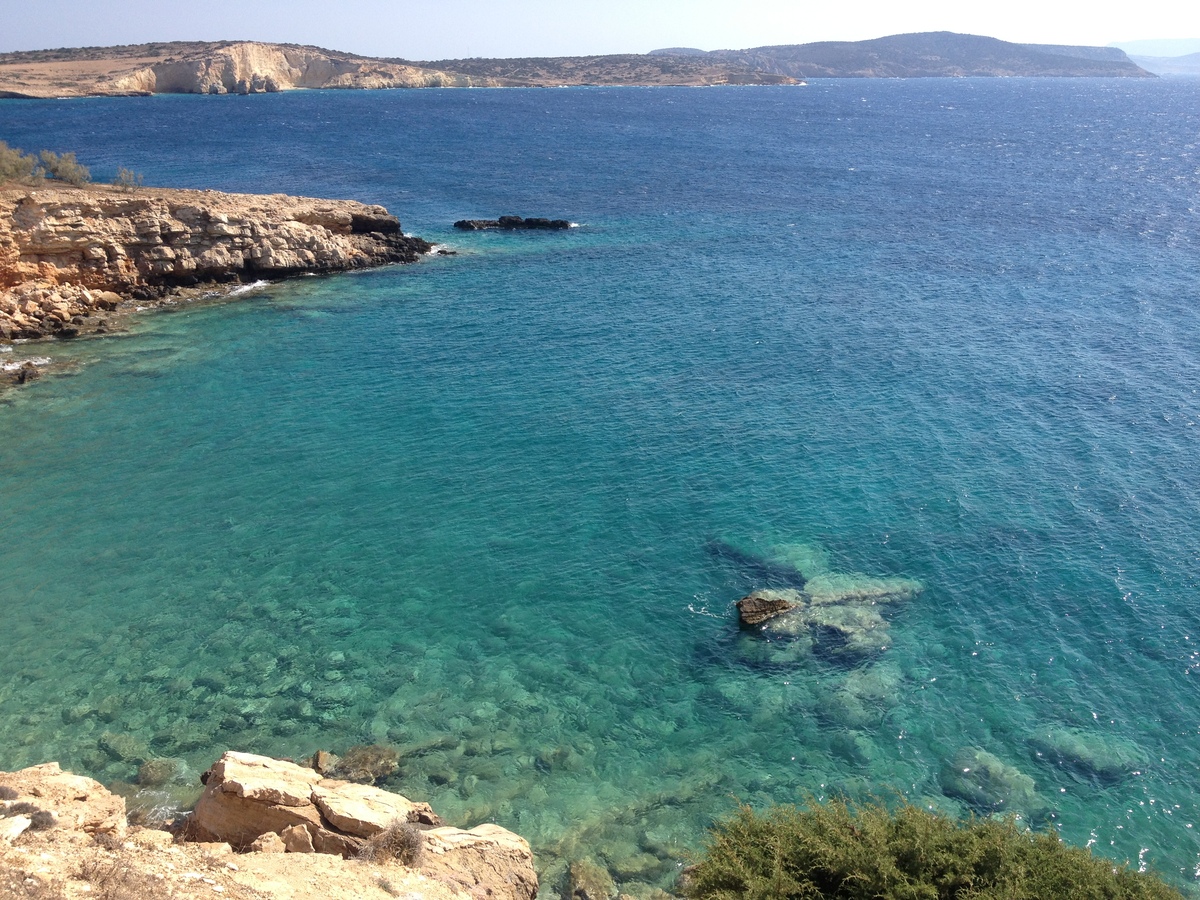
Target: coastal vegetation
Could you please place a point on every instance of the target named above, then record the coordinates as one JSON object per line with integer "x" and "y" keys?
{"x": 15, "y": 164}
{"x": 869, "y": 852}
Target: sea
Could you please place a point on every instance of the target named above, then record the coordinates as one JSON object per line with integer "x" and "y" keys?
{"x": 494, "y": 509}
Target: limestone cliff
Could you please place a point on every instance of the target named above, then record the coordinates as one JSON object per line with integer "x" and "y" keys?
{"x": 252, "y": 68}
{"x": 67, "y": 254}
{"x": 226, "y": 67}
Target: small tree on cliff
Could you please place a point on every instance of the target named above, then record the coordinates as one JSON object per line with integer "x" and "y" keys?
{"x": 64, "y": 168}
{"x": 14, "y": 163}
{"x": 128, "y": 180}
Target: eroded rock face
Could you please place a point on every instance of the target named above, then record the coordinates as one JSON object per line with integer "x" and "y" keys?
{"x": 250, "y": 67}
{"x": 69, "y": 254}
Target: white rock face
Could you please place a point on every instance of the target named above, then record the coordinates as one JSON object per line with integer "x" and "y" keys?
{"x": 250, "y": 67}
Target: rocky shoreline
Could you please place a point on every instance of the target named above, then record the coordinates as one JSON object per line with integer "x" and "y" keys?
{"x": 263, "y": 828}
{"x": 72, "y": 257}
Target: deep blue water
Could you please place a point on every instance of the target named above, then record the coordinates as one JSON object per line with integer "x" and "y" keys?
{"x": 942, "y": 330}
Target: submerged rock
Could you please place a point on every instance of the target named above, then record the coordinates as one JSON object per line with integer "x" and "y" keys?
{"x": 1087, "y": 753}
{"x": 853, "y": 587}
{"x": 839, "y": 613}
{"x": 989, "y": 784}
{"x": 364, "y": 763}
{"x": 588, "y": 880}
{"x": 160, "y": 771}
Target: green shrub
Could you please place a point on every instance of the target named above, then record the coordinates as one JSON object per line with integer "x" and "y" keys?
{"x": 64, "y": 168}
{"x": 128, "y": 180}
{"x": 14, "y": 163}
{"x": 839, "y": 852}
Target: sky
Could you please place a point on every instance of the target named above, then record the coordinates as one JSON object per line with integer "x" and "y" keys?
{"x": 449, "y": 29}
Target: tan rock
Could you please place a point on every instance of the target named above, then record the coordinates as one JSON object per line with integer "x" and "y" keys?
{"x": 487, "y": 861}
{"x": 324, "y": 762}
{"x": 225, "y": 815}
{"x": 268, "y": 843}
{"x": 275, "y": 781}
{"x": 96, "y": 243}
{"x": 362, "y": 810}
{"x": 12, "y": 827}
{"x": 296, "y": 839}
{"x": 78, "y": 802}
{"x": 246, "y": 796}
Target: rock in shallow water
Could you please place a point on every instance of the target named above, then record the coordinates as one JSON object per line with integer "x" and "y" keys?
{"x": 1088, "y": 754}
{"x": 588, "y": 880}
{"x": 765, "y": 604}
{"x": 989, "y": 784}
{"x": 512, "y": 223}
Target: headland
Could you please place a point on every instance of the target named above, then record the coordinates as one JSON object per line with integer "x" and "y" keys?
{"x": 71, "y": 256}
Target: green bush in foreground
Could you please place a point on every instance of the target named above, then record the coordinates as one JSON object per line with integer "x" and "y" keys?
{"x": 834, "y": 850}
{"x": 16, "y": 165}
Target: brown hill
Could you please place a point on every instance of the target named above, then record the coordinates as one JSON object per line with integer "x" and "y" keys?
{"x": 925, "y": 55}
{"x": 620, "y": 69}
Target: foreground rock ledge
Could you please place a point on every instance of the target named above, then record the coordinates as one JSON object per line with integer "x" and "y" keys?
{"x": 67, "y": 836}
{"x": 70, "y": 255}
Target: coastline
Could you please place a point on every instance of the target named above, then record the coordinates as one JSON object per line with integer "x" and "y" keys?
{"x": 75, "y": 261}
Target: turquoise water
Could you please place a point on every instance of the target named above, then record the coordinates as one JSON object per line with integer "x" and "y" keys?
{"x": 940, "y": 330}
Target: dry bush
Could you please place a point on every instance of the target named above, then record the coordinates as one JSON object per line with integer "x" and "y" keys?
{"x": 400, "y": 841}
{"x": 111, "y": 879}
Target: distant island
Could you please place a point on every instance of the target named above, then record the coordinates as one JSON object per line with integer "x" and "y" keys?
{"x": 248, "y": 67}
{"x": 1187, "y": 65}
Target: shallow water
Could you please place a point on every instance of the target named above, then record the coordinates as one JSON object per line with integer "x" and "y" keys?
{"x": 940, "y": 330}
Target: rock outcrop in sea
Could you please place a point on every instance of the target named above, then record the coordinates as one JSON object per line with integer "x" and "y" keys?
{"x": 838, "y": 614}
{"x": 513, "y": 223}
{"x": 263, "y": 828}
{"x": 68, "y": 256}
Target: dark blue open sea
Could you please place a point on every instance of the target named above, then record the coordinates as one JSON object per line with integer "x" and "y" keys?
{"x": 494, "y": 509}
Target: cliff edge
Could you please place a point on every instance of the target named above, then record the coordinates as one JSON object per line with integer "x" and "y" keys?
{"x": 69, "y": 255}
{"x": 66, "y": 836}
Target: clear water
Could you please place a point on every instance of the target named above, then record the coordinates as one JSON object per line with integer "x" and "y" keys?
{"x": 944, "y": 330}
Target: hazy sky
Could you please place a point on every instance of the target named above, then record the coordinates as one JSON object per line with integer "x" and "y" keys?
{"x": 458, "y": 28}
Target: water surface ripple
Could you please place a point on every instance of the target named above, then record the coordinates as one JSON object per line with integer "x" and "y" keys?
{"x": 941, "y": 329}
